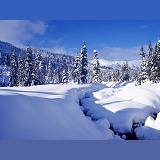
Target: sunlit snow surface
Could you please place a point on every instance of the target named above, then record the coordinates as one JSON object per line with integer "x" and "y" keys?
{"x": 52, "y": 112}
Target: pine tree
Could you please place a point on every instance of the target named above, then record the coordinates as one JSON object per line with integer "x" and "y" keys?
{"x": 158, "y": 59}
{"x": 70, "y": 74}
{"x": 13, "y": 71}
{"x": 30, "y": 78}
{"x": 154, "y": 69}
{"x": 57, "y": 77}
{"x": 65, "y": 74}
{"x": 96, "y": 68}
{"x": 39, "y": 69}
{"x": 83, "y": 64}
{"x": 143, "y": 71}
{"x": 117, "y": 73}
{"x": 76, "y": 74}
{"x": 150, "y": 58}
{"x": 49, "y": 76}
{"x": 21, "y": 73}
{"x": 4, "y": 76}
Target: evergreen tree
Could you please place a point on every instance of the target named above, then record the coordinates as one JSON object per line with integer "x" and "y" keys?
{"x": 154, "y": 69}
{"x": 70, "y": 74}
{"x": 13, "y": 71}
{"x": 4, "y": 76}
{"x": 30, "y": 78}
{"x": 83, "y": 64}
{"x": 150, "y": 58}
{"x": 49, "y": 76}
{"x": 21, "y": 73}
{"x": 65, "y": 74}
{"x": 124, "y": 75}
{"x": 76, "y": 74}
{"x": 96, "y": 68}
{"x": 40, "y": 69}
{"x": 57, "y": 77}
{"x": 143, "y": 72}
{"x": 158, "y": 60}
{"x": 117, "y": 73}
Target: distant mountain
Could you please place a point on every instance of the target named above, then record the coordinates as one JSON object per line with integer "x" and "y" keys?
{"x": 113, "y": 64}
{"x": 56, "y": 58}
{"x": 59, "y": 59}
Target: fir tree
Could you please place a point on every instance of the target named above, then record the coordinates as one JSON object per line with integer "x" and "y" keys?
{"x": 76, "y": 74}
{"x": 13, "y": 71}
{"x": 158, "y": 60}
{"x": 4, "y": 76}
{"x": 154, "y": 69}
{"x": 96, "y": 68}
{"x": 65, "y": 74}
{"x": 30, "y": 78}
{"x": 49, "y": 76}
{"x": 150, "y": 58}
{"x": 21, "y": 73}
{"x": 40, "y": 69}
{"x": 83, "y": 64}
{"x": 143, "y": 73}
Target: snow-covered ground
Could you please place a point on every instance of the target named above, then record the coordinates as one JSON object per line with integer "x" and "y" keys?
{"x": 53, "y": 111}
{"x": 124, "y": 105}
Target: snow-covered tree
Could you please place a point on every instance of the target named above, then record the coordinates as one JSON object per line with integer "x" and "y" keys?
{"x": 117, "y": 73}
{"x": 158, "y": 60}
{"x": 13, "y": 70}
{"x": 40, "y": 69}
{"x": 83, "y": 64}
{"x": 49, "y": 76}
{"x": 30, "y": 78}
{"x": 4, "y": 76}
{"x": 70, "y": 74}
{"x": 96, "y": 68}
{"x": 76, "y": 70}
{"x": 124, "y": 72}
{"x": 65, "y": 74}
{"x": 21, "y": 69}
{"x": 57, "y": 77}
{"x": 143, "y": 72}
{"x": 154, "y": 69}
{"x": 150, "y": 58}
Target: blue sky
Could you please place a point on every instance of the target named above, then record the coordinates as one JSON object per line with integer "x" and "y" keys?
{"x": 114, "y": 40}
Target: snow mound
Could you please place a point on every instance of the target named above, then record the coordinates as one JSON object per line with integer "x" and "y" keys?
{"x": 124, "y": 105}
{"x": 151, "y": 129}
{"x": 48, "y": 112}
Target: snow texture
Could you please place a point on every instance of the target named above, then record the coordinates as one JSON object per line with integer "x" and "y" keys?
{"x": 48, "y": 112}
{"x": 52, "y": 112}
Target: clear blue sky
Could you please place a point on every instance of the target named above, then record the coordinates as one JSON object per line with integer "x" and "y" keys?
{"x": 114, "y": 40}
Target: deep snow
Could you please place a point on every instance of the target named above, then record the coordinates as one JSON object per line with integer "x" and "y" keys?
{"x": 47, "y": 112}
{"x": 52, "y": 112}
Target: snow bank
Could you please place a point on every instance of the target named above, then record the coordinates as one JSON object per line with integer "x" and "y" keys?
{"x": 48, "y": 112}
{"x": 151, "y": 129}
{"x": 123, "y": 105}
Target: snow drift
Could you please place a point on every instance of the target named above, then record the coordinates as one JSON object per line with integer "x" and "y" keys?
{"x": 48, "y": 112}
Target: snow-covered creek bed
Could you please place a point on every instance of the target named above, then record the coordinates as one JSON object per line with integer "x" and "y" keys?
{"x": 52, "y": 112}
{"x": 126, "y": 110}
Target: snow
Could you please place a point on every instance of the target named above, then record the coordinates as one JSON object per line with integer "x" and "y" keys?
{"x": 52, "y": 112}
{"x": 47, "y": 112}
{"x": 124, "y": 105}
{"x": 103, "y": 62}
{"x": 151, "y": 129}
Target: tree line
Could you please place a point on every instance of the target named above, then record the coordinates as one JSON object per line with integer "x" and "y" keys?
{"x": 35, "y": 69}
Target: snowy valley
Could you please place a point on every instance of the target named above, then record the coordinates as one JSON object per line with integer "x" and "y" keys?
{"x": 60, "y": 97}
{"x": 80, "y": 112}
